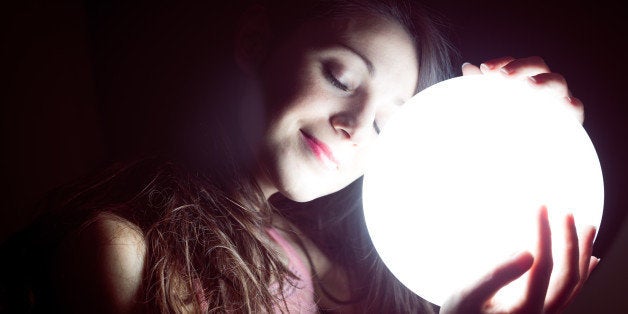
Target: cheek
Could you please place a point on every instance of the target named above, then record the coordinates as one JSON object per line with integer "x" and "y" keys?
{"x": 286, "y": 82}
{"x": 358, "y": 164}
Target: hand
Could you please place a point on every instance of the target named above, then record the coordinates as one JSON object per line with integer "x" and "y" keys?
{"x": 540, "y": 296}
{"x": 536, "y": 72}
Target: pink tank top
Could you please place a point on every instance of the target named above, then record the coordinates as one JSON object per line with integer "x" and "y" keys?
{"x": 299, "y": 292}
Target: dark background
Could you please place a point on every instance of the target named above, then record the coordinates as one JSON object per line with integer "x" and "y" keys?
{"x": 84, "y": 83}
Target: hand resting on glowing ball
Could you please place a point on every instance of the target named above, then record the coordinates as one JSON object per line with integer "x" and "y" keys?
{"x": 479, "y": 167}
{"x": 536, "y": 72}
{"x": 540, "y": 296}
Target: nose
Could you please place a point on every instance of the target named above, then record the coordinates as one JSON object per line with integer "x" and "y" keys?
{"x": 356, "y": 121}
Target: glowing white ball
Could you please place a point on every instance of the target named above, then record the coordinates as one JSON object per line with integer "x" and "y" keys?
{"x": 460, "y": 174}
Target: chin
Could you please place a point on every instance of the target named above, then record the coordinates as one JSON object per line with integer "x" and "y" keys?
{"x": 305, "y": 194}
{"x": 300, "y": 196}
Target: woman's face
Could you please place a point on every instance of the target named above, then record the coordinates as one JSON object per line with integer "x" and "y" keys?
{"x": 329, "y": 88}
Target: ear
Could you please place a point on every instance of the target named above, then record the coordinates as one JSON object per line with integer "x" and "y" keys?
{"x": 252, "y": 39}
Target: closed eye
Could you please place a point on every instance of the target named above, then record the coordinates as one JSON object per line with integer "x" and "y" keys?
{"x": 334, "y": 81}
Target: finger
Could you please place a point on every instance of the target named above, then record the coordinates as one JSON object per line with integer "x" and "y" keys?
{"x": 569, "y": 279}
{"x": 470, "y": 69}
{"x": 541, "y": 269}
{"x": 495, "y": 64}
{"x": 593, "y": 264}
{"x": 587, "y": 262}
{"x": 556, "y": 84}
{"x": 525, "y": 67}
{"x": 551, "y": 82}
{"x": 586, "y": 251}
{"x": 576, "y": 107}
{"x": 475, "y": 296}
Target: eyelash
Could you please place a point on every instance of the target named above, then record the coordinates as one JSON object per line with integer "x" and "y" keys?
{"x": 376, "y": 127}
{"x": 335, "y": 82}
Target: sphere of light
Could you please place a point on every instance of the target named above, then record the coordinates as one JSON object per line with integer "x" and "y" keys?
{"x": 460, "y": 173}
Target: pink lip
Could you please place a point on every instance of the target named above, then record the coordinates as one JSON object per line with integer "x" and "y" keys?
{"x": 322, "y": 152}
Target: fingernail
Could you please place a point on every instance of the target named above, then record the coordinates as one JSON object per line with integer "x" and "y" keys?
{"x": 571, "y": 100}
{"x": 484, "y": 67}
{"x": 505, "y": 71}
{"x": 465, "y": 64}
{"x": 525, "y": 259}
{"x": 569, "y": 215}
{"x": 518, "y": 254}
{"x": 532, "y": 79}
{"x": 544, "y": 211}
{"x": 593, "y": 229}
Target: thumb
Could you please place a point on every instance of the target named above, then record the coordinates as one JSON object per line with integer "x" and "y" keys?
{"x": 477, "y": 294}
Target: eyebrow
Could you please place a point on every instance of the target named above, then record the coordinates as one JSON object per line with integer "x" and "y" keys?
{"x": 371, "y": 69}
{"x": 369, "y": 64}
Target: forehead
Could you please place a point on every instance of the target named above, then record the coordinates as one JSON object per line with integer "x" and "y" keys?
{"x": 381, "y": 40}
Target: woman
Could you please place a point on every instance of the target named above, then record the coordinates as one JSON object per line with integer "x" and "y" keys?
{"x": 327, "y": 75}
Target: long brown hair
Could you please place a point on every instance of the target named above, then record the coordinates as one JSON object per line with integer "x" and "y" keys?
{"x": 205, "y": 227}
{"x": 336, "y": 222}
{"x": 207, "y": 247}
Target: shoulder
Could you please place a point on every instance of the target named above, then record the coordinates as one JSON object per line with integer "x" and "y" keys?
{"x": 101, "y": 266}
